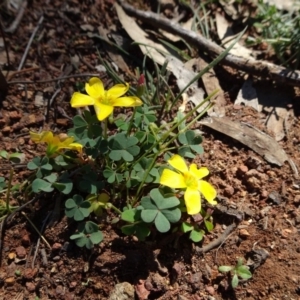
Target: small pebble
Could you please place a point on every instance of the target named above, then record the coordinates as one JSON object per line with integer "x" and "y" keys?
{"x": 30, "y": 287}
{"x": 210, "y": 290}
{"x": 56, "y": 258}
{"x": 21, "y": 252}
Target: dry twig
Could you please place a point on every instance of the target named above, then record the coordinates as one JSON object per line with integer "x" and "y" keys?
{"x": 215, "y": 243}
{"x": 251, "y": 66}
{"x": 30, "y": 42}
{"x": 12, "y": 28}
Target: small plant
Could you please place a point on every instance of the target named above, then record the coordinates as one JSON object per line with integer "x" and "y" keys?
{"x": 239, "y": 270}
{"x": 280, "y": 30}
{"x": 118, "y": 165}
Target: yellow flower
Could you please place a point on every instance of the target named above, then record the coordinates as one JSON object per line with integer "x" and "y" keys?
{"x": 55, "y": 143}
{"x": 104, "y": 101}
{"x": 189, "y": 179}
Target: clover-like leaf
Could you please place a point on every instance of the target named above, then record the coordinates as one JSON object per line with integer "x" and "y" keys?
{"x": 140, "y": 230}
{"x": 112, "y": 176}
{"x": 142, "y": 167}
{"x": 77, "y": 208}
{"x": 160, "y": 209}
{"x": 196, "y": 235}
{"x": 88, "y": 235}
{"x": 123, "y": 147}
{"x": 41, "y": 165}
{"x": 39, "y": 185}
{"x": 144, "y": 116}
{"x": 189, "y": 139}
{"x": 186, "y": 227}
{"x": 131, "y": 215}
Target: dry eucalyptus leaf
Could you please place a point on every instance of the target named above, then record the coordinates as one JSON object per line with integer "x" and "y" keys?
{"x": 273, "y": 101}
{"x": 256, "y": 140}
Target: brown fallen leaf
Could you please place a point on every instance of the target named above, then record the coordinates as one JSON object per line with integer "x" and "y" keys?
{"x": 255, "y": 139}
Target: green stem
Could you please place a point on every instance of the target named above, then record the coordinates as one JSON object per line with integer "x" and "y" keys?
{"x": 110, "y": 205}
{"x": 144, "y": 178}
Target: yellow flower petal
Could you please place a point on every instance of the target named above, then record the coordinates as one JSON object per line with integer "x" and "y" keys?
{"x": 75, "y": 146}
{"x": 172, "y": 179}
{"x": 127, "y": 101}
{"x": 35, "y": 137}
{"x": 47, "y": 137}
{"x": 95, "y": 88}
{"x": 81, "y": 100}
{"x": 199, "y": 173}
{"x": 117, "y": 90}
{"x": 103, "y": 111}
{"x": 192, "y": 201}
{"x": 178, "y": 163}
{"x": 208, "y": 191}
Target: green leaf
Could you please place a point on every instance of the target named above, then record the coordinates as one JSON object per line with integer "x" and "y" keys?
{"x": 243, "y": 272}
{"x": 96, "y": 237}
{"x": 209, "y": 225}
{"x": 51, "y": 178}
{"x": 131, "y": 215}
{"x": 123, "y": 147}
{"x": 190, "y": 140}
{"x": 90, "y": 227}
{"x": 185, "y": 151}
{"x": 79, "y": 122}
{"x": 140, "y": 230}
{"x": 161, "y": 222}
{"x": 112, "y": 176}
{"x": 180, "y": 116}
{"x": 39, "y": 185}
{"x": 160, "y": 209}
{"x": 196, "y": 235}
{"x": 88, "y": 235}
{"x": 225, "y": 269}
{"x": 4, "y": 154}
{"x": 64, "y": 187}
{"x": 142, "y": 168}
{"x": 77, "y": 208}
{"x": 186, "y": 227}
{"x": 235, "y": 281}
{"x": 122, "y": 124}
{"x": 17, "y": 157}
{"x": 172, "y": 214}
{"x": 162, "y": 202}
{"x": 149, "y": 215}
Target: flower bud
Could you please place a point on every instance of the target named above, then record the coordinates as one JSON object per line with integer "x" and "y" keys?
{"x": 141, "y": 86}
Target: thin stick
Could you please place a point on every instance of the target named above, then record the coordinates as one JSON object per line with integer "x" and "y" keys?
{"x": 215, "y": 243}
{"x": 38, "y": 232}
{"x": 12, "y": 28}
{"x": 39, "y": 241}
{"x": 251, "y": 66}
{"x": 30, "y": 42}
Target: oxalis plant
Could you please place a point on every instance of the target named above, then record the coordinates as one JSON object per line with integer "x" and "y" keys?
{"x": 131, "y": 164}
{"x": 238, "y": 271}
